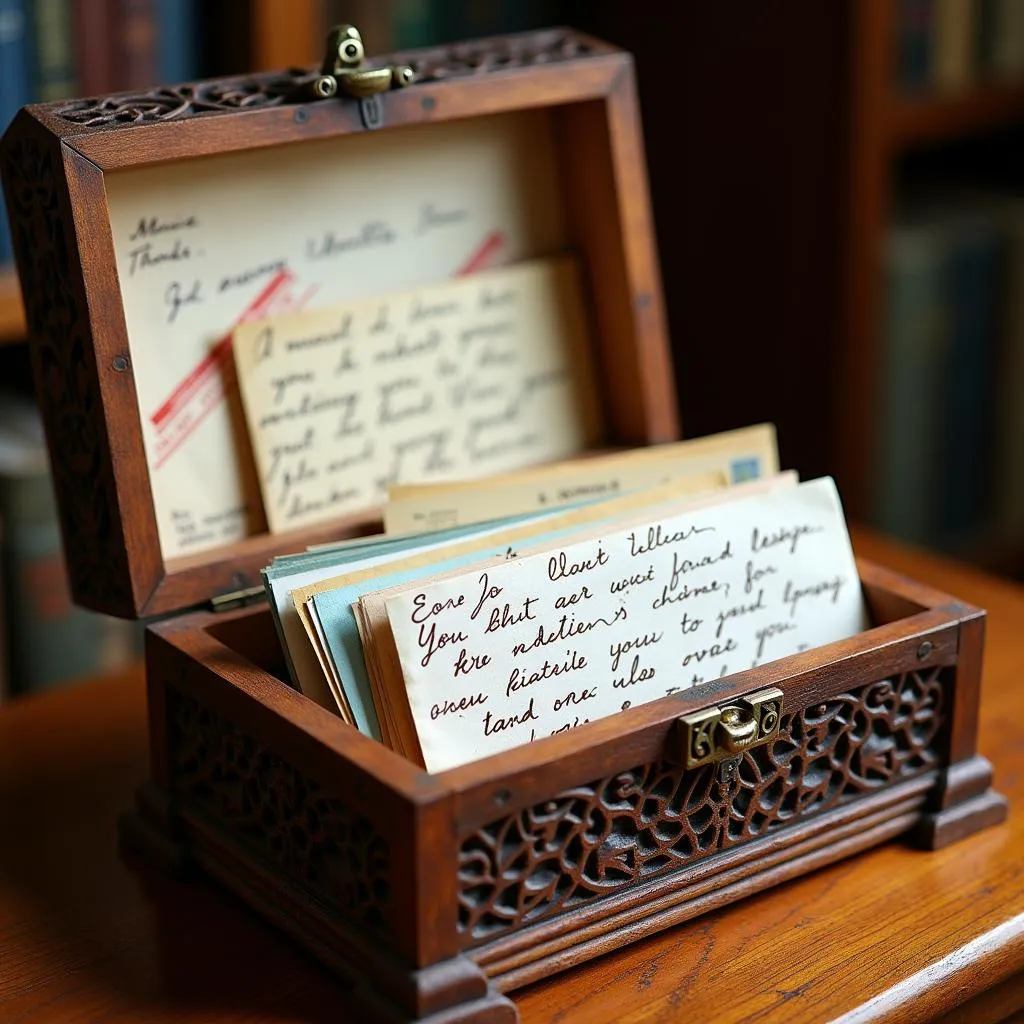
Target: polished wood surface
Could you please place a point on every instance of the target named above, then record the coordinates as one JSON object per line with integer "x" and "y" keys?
{"x": 87, "y": 934}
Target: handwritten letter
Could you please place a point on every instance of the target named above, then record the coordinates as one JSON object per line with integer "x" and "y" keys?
{"x": 471, "y": 377}
{"x": 362, "y": 214}
{"x": 541, "y": 644}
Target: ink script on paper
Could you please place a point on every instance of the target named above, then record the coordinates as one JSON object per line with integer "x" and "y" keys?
{"x": 476, "y": 376}
{"x": 249, "y": 235}
{"x": 545, "y": 642}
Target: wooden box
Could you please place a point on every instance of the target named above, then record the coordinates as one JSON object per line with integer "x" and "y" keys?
{"x": 438, "y": 894}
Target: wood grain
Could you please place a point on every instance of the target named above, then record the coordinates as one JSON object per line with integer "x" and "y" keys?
{"x": 893, "y": 934}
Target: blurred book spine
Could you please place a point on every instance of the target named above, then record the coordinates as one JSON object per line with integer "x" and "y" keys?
{"x": 972, "y": 295}
{"x": 915, "y": 340}
{"x": 49, "y": 641}
{"x": 416, "y": 23}
{"x": 54, "y": 63}
{"x": 1006, "y": 53}
{"x": 138, "y": 59}
{"x": 406, "y": 24}
{"x": 118, "y": 45}
{"x": 983, "y": 36}
{"x": 15, "y": 82}
{"x": 914, "y": 23}
{"x": 953, "y": 44}
{"x": 949, "y": 468}
{"x": 176, "y": 38}
{"x": 96, "y": 49}
{"x": 1009, "y": 514}
{"x": 474, "y": 18}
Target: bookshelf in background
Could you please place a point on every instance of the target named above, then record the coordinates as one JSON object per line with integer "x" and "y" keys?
{"x": 56, "y": 49}
{"x": 777, "y": 144}
{"x": 294, "y": 33}
{"x": 930, "y": 429}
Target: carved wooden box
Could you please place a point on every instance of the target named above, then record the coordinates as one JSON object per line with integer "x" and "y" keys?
{"x": 438, "y": 894}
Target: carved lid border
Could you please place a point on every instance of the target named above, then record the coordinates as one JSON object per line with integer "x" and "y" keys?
{"x": 463, "y": 60}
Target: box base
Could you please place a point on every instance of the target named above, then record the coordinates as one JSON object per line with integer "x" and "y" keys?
{"x": 460, "y": 991}
{"x": 938, "y": 830}
{"x": 452, "y": 992}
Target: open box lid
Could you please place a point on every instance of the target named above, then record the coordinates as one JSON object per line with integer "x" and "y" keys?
{"x": 539, "y": 129}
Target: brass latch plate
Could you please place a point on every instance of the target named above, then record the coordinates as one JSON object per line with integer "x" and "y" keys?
{"x": 718, "y": 733}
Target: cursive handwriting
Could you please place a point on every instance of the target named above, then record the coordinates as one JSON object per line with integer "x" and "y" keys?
{"x": 626, "y": 616}
{"x": 146, "y": 256}
{"x": 434, "y": 217}
{"x": 177, "y": 297}
{"x": 150, "y": 226}
{"x": 371, "y": 235}
{"x": 658, "y": 538}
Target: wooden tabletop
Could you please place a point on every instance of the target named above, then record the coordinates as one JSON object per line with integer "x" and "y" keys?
{"x": 895, "y": 934}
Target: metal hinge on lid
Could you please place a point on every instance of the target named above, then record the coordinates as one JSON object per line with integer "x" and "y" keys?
{"x": 237, "y": 599}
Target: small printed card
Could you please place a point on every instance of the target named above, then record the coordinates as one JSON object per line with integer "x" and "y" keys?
{"x": 516, "y": 650}
{"x": 732, "y": 457}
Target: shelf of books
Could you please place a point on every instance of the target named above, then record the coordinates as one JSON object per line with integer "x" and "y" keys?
{"x": 950, "y": 421}
{"x": 959, "y": 68}
{"x": 916, "y": 120}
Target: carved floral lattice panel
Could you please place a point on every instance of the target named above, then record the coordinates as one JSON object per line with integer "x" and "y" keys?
{"x": 629, "y": 827}
{"x": 287, "y": 819}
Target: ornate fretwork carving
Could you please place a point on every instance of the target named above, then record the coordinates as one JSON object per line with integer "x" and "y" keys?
{"x": 280, "y": 815}
{"x": 629, "y": 827}
{"x": 170, "y": 103}
{"x": 489, "y": 55}
{"x": 225, "y": 95}
{"x": 65, "y": 373}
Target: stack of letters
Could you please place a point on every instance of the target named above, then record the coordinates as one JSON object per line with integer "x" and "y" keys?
{"x": 542, "y": 599}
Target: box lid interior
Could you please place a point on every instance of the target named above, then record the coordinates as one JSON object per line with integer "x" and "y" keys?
{"x": 167, "y": 232}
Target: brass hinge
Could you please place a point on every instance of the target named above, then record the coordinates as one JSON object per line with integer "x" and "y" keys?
{"x": 721, "y": 734}
{"x": 237, "y": 599}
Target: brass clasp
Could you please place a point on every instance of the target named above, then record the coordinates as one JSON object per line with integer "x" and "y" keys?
{"x": 342, "y": 69}
{"x": 720, "y": 733}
